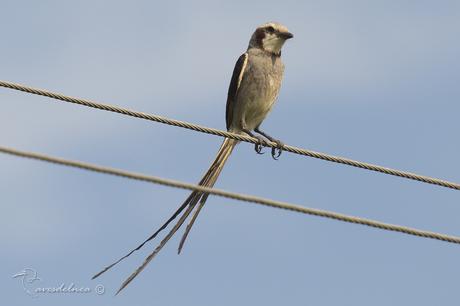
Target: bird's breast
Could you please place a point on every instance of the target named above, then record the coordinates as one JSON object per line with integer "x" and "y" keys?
{"x": 259, "y": 89}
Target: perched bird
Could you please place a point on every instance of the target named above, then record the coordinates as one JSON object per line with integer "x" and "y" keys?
{"x": 253, "y": 90}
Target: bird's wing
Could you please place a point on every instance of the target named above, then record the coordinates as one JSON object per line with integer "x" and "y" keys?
{"x": 238, "y": 73}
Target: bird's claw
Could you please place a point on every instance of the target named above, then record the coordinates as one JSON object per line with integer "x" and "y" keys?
{"x": 259, "y": 145}
{"x": 276, "y": 151}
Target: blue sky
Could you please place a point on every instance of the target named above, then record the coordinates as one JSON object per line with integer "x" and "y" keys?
{"x": 376, "y": 81}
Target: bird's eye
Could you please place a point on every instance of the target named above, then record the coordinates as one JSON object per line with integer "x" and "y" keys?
{"x": 270, "y": 29}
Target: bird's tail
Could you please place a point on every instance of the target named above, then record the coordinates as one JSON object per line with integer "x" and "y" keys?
{"x": 210, "y": 179}
{"x": 196, "y": 197}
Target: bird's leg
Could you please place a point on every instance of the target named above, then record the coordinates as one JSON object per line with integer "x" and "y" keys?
{"x": 259, "y": 144}
{"x": 279, "y": 144}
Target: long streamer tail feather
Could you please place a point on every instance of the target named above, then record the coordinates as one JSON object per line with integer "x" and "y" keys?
{"x": 149, "y": 258}
{"x": 151, "y": 237}
{"x": 213, "y": 172}
{"x": 189, "y": 204}
{"x": 208, "y": 180}
{"x": 204, "y": 196}
{"x": 176, "y": 213}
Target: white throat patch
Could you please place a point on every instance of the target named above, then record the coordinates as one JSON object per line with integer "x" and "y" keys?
{"x": 272, "y": 43}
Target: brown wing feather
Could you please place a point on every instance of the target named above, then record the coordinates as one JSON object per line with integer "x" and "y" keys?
{"x": 237, "y": 76}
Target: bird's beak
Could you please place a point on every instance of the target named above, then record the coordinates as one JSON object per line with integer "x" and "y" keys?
{"x": 19, "y": 274}
{"x": 286, "y": 35}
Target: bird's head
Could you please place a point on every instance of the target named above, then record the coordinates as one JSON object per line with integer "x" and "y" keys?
{"x": 270, "y": 37}
{"x": 28, "y": 275}
{"x": 20, "y": 274}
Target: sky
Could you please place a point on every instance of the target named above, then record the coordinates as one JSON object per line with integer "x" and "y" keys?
{"x": 376, "y": 81}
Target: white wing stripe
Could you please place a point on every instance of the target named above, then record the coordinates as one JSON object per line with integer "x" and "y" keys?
{"x": 240, "y": 77}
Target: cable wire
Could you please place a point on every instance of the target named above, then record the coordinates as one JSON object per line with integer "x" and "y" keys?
{"x": 235, "y": 196}
{"x": 198, "y": 128}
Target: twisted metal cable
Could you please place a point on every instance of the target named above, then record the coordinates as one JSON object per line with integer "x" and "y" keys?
{"x": 198, "y": 128}
{"x": 235, "y": 196}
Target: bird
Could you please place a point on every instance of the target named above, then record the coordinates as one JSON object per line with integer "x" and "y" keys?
{"x": 28, "y": 276}
{"x": 253, "y": 90}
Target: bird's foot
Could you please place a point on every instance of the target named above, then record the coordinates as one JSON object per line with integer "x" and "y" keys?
{"x": 276, "y": 151}
{"x": 259, "y": 144}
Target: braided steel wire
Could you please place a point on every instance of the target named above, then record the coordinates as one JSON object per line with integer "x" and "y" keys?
{"x": 198, "y": 128}
{"x": 235, "y": 196}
